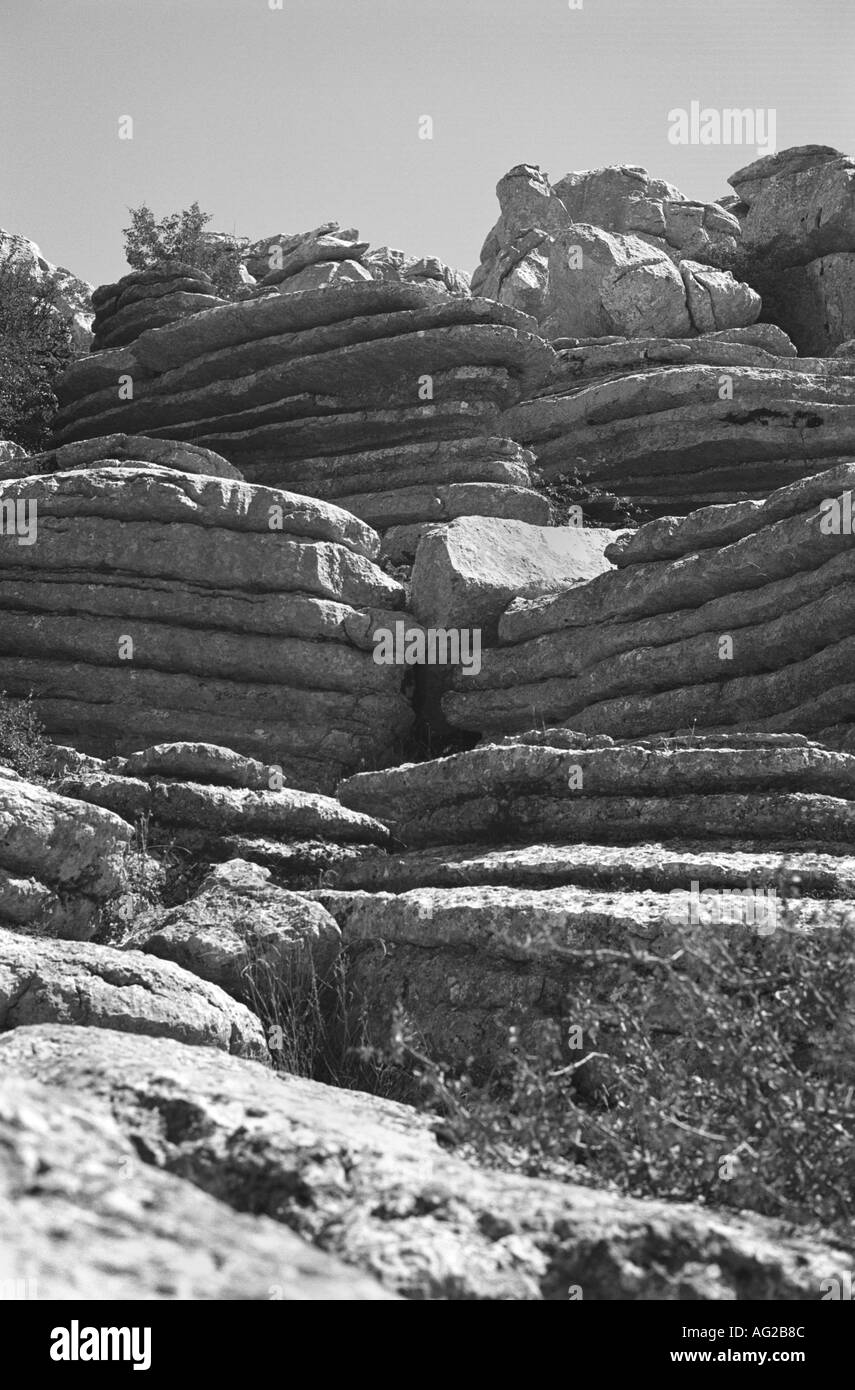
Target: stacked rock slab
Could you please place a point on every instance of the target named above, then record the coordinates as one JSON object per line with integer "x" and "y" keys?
{"x": 148, "y": 298}
{"x": 524, "y": 863}
{"x": 141, "y": 603}
{"x": 330, "y": 254}
{"x": 218, "y": 805}
{"x": 736, "y": 617}
{"x": 61, "y": 862}
{"x": 797, "y": 210}
{"x": 638, "y": 428}
{"x": 613, "y": 251}
{"x": 382, "y": 394}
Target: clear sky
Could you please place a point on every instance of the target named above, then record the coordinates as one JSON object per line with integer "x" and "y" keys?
{"x": 277, "y": 120}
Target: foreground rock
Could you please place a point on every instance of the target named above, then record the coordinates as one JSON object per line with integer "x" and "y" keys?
{"x": 365, "y": 1179}
{"x": 82, "y": 1217}
{"x": 152, "y": 604}
{"x": 78, "y": 983}
{"x": 736, "y": 618}
{"x": 62, "y": 863}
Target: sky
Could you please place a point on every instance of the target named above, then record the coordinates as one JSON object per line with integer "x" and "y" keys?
{"x": 279, "y": 119}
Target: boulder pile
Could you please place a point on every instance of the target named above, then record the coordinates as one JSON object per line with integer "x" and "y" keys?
{"x": 613, "y": 251}
{"x": 734, "y": 617}
{"x": 641, "y": 427}
{"x": 330, "y": 255}
{"x": 797, "y": 211}
{"x": 147, "y": 604}
{"x": 381, "y": 395}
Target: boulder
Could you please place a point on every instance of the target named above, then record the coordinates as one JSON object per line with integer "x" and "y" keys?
{"x": 466, "y": 573}
{"x": 245, "y": 935}
{"x": 78, "y": 983}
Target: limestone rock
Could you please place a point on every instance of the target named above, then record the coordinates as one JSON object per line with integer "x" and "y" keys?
{"x": 75, "y": 982}
{"x": 197, "y": 762}
{"x": 61, "y": 862}
{"x": 337, "y": 1162}
{"x": 82, "y": 1216}
{"x": 466, "y": 573}
{"x": 245, "y": 935}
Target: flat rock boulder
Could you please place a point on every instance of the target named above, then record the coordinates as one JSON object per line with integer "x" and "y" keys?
{"x": 242, "y": 933}
{"x": 82, "y": 1216}
{"x": 99, "y": 987}
{"x": 225, "y": 810}
{"x": 131, "y": 449}
{"x": 466, "y": 573}
{"x": 197, "y": 762}
{"x": 336, "y": 1163}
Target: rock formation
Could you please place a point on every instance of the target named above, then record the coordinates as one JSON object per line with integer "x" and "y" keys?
{"x": 168, "y": 291}
{"x": 797, "y": 210}
{"x": 161, "y": 605}
{"x": 612, "y": 251}
{"x": 638, "y": 428}
{"x": 313, "y": 389}
{"x": 734, "y": 618}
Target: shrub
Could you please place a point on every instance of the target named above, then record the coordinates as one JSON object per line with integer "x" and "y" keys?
{"x": 23, "y": 745}
{"x": 35, "y": 348}
{"x": 181, "y": 236}
{"x": 721, "y": 1074}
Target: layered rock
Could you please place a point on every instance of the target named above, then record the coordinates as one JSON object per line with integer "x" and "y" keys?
{"x": 612, "y": 251}
{"x": 150, "y": 604}
{"x": 797, "y": 210}
{"x": 331, "y": 253}
{"x": 554, "y": 859}
{"x": 163, "y": 293}
{"x": 641, "y": 428}
{"x": 381, "y": 393}
{"x": 61, "y": 862}
{"x": 734, "y": 618}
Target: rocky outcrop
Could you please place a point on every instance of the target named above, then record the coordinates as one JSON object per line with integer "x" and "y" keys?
{"x": 735, "y": 618}
{"x": 75, "y": 982}
{"x": 114, "y": 449}
{"x": 163, "y": 293}
{"x": 662, "y": 426}
{"x": 322, "y": 383}
{"x": 331, "y": 254}
{"x": 74, "y": 296}
{"x": 612, "y": 251}
{"x": 155, "y": 604}
{"x": 466, "y": 573}
{"x": 366, "y": 1180}
{"x": 242, "y": 933}
{"x": 797, "y": 210}
{"x": 61, "y": 862}
{"x": 559, "y": 788}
